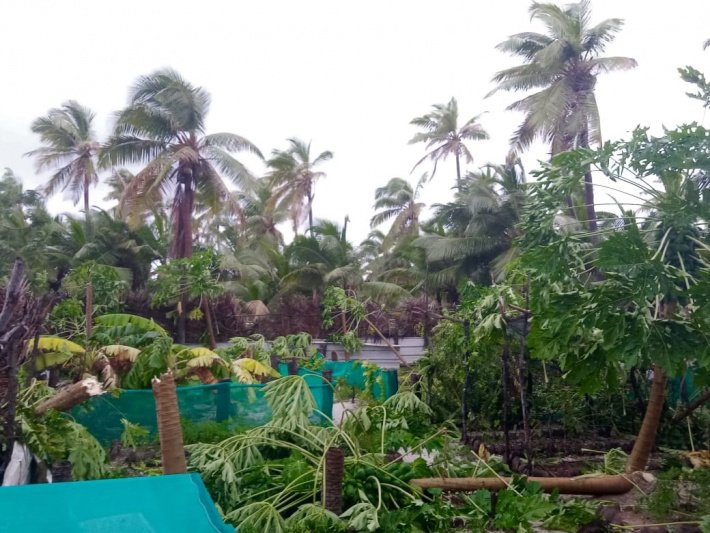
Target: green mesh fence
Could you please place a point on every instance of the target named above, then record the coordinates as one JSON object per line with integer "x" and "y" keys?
{"x": 383, "y": 386}
{"x": 244, "y": 406}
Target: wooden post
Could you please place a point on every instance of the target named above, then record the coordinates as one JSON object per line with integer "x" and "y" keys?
{"x": 332, "y": 494}
{"x": 275, "y": 362}
{"x": 328, "y": 375}
{"x": 171, "y": 444}
{"x": 293, "y": 367}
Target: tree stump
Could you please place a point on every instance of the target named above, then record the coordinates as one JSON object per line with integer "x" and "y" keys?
{"x": 333, "y": 480}
{"x": 169, "y": 429}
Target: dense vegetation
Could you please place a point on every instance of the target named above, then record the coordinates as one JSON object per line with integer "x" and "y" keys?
{"x": 543, "y": 308}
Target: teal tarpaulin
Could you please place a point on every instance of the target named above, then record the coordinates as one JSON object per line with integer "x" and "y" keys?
{"x": 159, "y": 504}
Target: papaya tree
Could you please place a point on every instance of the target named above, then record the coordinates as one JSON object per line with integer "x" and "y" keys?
{"x": 639, "y": 297}
{"x": 184, "y": 280}
{"x": 636, "y": 294}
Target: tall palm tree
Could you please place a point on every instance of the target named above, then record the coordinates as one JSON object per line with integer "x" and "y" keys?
{"x": 163, "y": 127}
{"x": 443, "y": 136}
{"x": 70, "y": 149}
{"x": 293, "y": 177}
{"x": 561, "y": 66}
{"x": 480, "y": 225}
{"x": 398, "y": 200}
{"x": 262, "y": 219}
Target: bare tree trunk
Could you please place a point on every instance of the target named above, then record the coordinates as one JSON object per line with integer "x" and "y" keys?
{"x": 72, "y": 396}
{"x": 208, "y": 319}
{"x": 589, "y": 191}
{"x": 89, "y": 310}
{"x": 649, "y": 427}
{"x": 466, "y": 381}
{"x": 181, "y": 320}
{"x": 333, "y": 480}
{"x": 205, "y": 375}
{"x": 344, "y": 324}
{"x": 680, "y": 415}
{"x": 522, "y": 372}
{"x": 388, "y": 343}
{"x": 505, "y": 362}
{"x": 171, "y": 444}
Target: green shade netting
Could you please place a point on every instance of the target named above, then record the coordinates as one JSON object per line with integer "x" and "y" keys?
{"x": 353, "y": 373}
{"x": 676, "y": 393}
{"x": 159, "y": 504}
{"x": 243, "y": 406}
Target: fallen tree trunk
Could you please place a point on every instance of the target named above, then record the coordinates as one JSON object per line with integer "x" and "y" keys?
{"x": 576, "y": 485}
{"x": 206, "y": 377}
{"x": 388, "y": 343}
{"x": 70, "y": 397}
{"x": 616, "y": 484}
{"x": 680, "y": 415}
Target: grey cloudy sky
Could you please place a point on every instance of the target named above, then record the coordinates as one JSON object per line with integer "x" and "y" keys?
{"x": 348, "y": 75}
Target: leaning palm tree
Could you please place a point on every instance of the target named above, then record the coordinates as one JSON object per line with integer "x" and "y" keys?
{"x": 293, "y": 180}
{"x": 561, "y": 66}
{"x": 443, "y": 137}
{"x": 69, "y": 150}
{"x": 163, "y": 127}
{"x": 398, "y": 200}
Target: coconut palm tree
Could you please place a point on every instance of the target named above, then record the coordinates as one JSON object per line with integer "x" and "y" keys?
{"x": 561, "y": 67}
{"x": 69, "y": 150}
{"x": 293, "y": 180}
{"x": 398, "y": 200}
{"x": 262, "y": 219}
{"x": 163, "y": 127}
{"x": 479, "y": 225}
{"x": 152, "y": 202}
{"x": 326, "y": 258}
{"x": 443, "y": 137}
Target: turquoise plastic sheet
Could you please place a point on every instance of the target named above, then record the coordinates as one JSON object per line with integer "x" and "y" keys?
{"x": 159, "y": 504}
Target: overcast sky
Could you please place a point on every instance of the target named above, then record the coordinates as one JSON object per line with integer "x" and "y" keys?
{"x": 347, "y": 75}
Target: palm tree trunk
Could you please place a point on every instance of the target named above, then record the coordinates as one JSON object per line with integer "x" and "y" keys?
{"x": 589, "y": 190}
{"x": 182, "y": 242}
{"x": 171, "y": 444}
{"x": 310, "y": 213}
{"x": 206, "y": 377}
{"x": 86, "y": 199}
{"x": 458, "y": 173}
